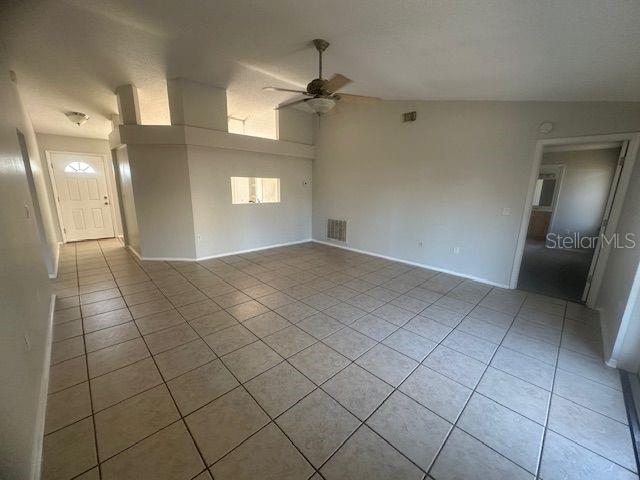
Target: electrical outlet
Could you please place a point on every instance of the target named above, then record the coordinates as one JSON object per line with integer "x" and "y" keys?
{"x": 420, "y": 243}
{"x": 456, "y": 250}
{"x": 27, "y": 342}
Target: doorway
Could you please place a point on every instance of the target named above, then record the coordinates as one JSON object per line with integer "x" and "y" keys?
{"x": 82, "y": 195}
{"x": 574, "y": 196}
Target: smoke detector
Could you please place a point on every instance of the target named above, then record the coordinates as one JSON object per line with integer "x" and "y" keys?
{"x": 77, "y": 117}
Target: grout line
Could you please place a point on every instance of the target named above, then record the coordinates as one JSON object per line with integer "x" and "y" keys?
{"x": 546, "y": 420}
{"x": 86, "y": 363}
{"x": 302, "y": 265}
{"x": 181, "y": 418}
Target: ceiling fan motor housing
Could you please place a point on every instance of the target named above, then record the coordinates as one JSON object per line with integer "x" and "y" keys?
{"x": 316, "y": 87}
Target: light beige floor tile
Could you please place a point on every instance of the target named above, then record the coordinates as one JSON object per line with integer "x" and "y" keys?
{"x": 357, "y": 390}
{"x": 251, "y": 360}
{"x": 412, "y": 345}
{"x": 600, "y": 434}
{"x": 387, "y": 364}
{"x": 455, "y": 365}
{"x": 169, "y": 338}
{"x": 319, "y": 362}
{"x": 289, "y": 341}
{"x": 105, "y": 320}
{"x": 268, "y": 455}
{"x": 563, "y": 459}
{"x": 367, "y": 456}
{"x": 67, "y": 349}
{"x": 126, "y": 382}
{"x": 508, "y": 433}
{"x": 349, "y": 343}
{"x": 116, "y": 356}
{"x": 111, "y": 336}
{"x": 67, "y": 406}
{"x": 318, "y": 425}
{"x": 438, "y": 393}
{"x": 68, "y": 373}
{"x": 464, "y": 457}
{"x": 247, "y": 310}
{"x": 128, "y": 422}
{"x": 200, "y": 386}
{"x": 179, "y": 360}
{"x": 69, "y": 452}
{"x": 167, "y": 455}
{"x": 266, "y": 324}
{"x": 411, "y": 428}
{"x": 221, "y": 425}
{"x": 230, "y": 339}
{"x": 279, "y": 388}
{"x": 199, "y": 309}
{"x": 212, "y": 322}
{"x": 518, "y": 395}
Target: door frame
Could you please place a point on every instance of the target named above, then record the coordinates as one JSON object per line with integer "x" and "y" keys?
{"x": 55, "y": 187}
{"x": 632, "y": 151}
{"x": 560, "y": 167}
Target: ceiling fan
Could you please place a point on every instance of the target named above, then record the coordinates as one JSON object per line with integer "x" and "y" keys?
{"x": 320, "y": 94}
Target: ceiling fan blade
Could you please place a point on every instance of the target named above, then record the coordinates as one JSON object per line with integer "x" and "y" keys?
{"x": 278, "y": 89}
{"x": 295, "y": 101}
{"x": 336, "y": 82}
{"x": 357, "y": 98}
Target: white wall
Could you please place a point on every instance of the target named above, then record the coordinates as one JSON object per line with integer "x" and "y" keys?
{"x": 585, "y": 186}
{"x": 444, "y": 179}
{"x": 294, "y": 125}
{"x": 618, "y": 277}
{"x": 130, "y": 219}
{"x": 24, "y": 294}
{"x": 221, "y": 227}
{"x": 160, "y": 181}
{"x": 78, "y": 145}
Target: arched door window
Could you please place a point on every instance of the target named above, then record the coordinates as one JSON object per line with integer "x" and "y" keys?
{"x": 79, "y": 167}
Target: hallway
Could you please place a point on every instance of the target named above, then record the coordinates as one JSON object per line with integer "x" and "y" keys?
{"x": 311, "y": 361}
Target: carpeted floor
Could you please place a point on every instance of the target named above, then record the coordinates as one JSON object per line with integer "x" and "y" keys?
{"x": 554, "y": 272}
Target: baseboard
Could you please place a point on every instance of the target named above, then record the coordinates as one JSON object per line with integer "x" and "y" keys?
{"x": 415, "y": 264}
{"x": 36, "y": 461}
{"x": 217, "y": 255}
{"x": 56, "y": 262}
{"x": 238, "y": 252}
{"x": 630, "y": 391}
{"x": 135, "y": 252}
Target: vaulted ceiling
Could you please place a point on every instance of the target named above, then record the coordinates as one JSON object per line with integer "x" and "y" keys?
{"x": 71, "y": 54}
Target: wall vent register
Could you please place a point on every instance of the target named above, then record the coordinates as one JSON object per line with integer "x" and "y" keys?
{"x": 337, "y": 230}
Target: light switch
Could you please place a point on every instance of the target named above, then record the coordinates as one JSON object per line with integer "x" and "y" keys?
{"x": 506, "y": 211}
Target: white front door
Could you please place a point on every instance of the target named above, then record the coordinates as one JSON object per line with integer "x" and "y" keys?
{"x": 83, "y": 198}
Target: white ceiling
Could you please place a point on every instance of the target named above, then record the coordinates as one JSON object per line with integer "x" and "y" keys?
{"x": 71, "y": 54}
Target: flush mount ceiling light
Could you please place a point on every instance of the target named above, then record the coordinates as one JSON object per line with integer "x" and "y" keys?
{"x": 321, "y": 105}
{"x": 77, "y": 117}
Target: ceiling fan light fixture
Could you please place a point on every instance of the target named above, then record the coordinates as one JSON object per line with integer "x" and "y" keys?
{"x": 321, "y": 105}
{"x": 77, "y": 117}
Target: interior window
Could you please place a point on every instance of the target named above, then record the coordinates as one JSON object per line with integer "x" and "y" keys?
{"x": 255, "y": 190}
{"x": 79, "y": 167}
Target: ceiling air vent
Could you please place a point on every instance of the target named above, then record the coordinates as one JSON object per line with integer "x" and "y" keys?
{"x": 337, "y": 230}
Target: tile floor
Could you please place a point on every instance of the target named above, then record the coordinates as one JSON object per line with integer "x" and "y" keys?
{"x": 314, "y": 362}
